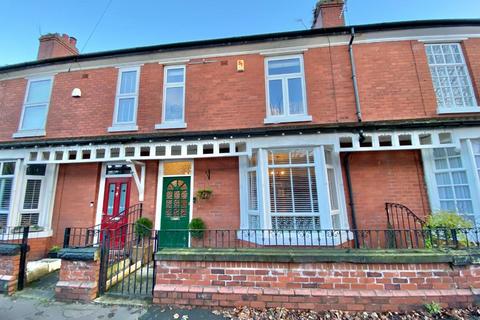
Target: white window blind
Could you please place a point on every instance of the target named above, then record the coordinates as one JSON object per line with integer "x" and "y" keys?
{"x": 452, "y": 184}
{"x": 285, "y": 87}
{"x": 36, "y": 103}
{"x": 32, "y": 197}
{"x": 293, "y": 189}
{"x": 32, "y": 194}
{"x": 451, "y": 80}
{"x": 127, "y": 97}
{"x": 7, "y": 171}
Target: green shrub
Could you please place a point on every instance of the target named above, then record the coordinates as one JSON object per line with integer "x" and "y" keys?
{"x": 54, "y": 249}
{"x": 433, "y": 308}
{"x": 197, "y": 228}
{"x": 440, "y": 225}
{"x": 143, "y": 227}
{"x": 447, "y": 220}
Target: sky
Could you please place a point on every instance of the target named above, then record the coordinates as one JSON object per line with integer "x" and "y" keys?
{"x": 134, "y": 23}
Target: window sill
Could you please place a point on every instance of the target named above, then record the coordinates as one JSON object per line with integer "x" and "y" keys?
{"x": 120, "y": 128}
{"x": 453, "y": 110}
{"x": 29, "y": 133}
{"x": 171, "y": 125}
{"x": 284, "y": 119}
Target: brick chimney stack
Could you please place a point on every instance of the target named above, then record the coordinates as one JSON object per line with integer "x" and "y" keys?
{"x": 53, "y": 45}
{"x": 328, "y": 13}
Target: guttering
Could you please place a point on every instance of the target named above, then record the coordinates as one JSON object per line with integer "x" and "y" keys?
{"x": 358, "y": 109}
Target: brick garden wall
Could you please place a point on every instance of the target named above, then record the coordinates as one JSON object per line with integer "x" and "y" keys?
{"x": 78, "y": 280}
{"x": 9, "y": 269}
{"x": 319, "y": 286}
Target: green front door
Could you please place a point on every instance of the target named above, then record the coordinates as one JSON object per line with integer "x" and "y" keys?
{"x": 175, "y": 212}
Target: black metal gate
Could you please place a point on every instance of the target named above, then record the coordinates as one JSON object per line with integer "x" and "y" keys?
{"x": 127, "y": 266}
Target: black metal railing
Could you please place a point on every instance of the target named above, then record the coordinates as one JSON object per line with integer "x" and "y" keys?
{"x": 17, "y": 237}
{"x": 321, "y": 239}
{"x": 401, "y": 217}
{"x": 77, "y": 237}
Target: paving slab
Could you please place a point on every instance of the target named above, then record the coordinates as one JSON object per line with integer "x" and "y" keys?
{"x": 16, "y": 307}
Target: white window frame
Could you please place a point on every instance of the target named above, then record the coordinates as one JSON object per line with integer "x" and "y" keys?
{"x": 286, "y": 117}
{"x": 429, "y": 168}
{"x": 132, "y": 125}
{"x": 179, "y": 124}
{"x": 334, "y": 166}
{"x": 34, "y": 132}
{"x": 454, "y": 108}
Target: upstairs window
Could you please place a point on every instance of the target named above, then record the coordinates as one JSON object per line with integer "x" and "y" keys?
{"x": 35, "y": 108}
{"x": 286, "y": 100}
{"x": 173, "y": 115}
{"x": 451, "y": 80}
{"x": 126, "y": 101}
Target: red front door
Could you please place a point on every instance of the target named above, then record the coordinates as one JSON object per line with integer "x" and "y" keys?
{"x": 115, "y": 202}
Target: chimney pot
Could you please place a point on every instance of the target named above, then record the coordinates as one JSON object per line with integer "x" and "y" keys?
{"x": 53, "y": 45}
{"x": 328, "y": 13}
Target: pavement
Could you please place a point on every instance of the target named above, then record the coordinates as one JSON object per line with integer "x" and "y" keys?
{"x": 37, "y": 302}
{"x": 17, "y": 307}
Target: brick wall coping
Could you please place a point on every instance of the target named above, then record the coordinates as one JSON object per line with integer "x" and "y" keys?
{"x": 455, "y": 257}
{"x": 9, "y": 249}
{"x": 80, "y": 254}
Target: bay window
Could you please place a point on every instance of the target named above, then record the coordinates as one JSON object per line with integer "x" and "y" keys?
{"x": 292, "y": 189}
{"x": 35, "y": 108}
{"x": 126, "y": 100}
{"x": 286, "y": 95}
{"x": 451, "y": 79}
{"x": 173, "y": 115}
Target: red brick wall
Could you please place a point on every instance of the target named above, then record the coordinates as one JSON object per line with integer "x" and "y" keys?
{"x": 222, "y": 210}
{"x": 394, "y": 83}
{"x": 318, "y": 286}
{"x": 39, "y": 248}
{"x": 78, "y": 281}
{"x": 9, "y": 269}
{"x": 386, "y": 176}
{"x": 77, "y": 186}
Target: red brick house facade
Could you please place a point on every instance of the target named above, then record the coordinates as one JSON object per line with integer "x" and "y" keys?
{"x": 269, "y": 123}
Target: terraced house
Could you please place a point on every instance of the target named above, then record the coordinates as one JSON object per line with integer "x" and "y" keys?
{"x": 285, "y": 135}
